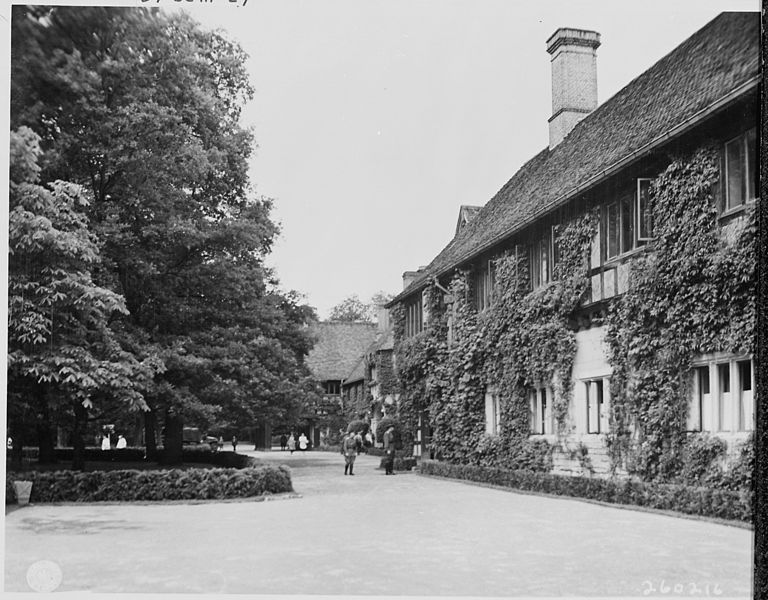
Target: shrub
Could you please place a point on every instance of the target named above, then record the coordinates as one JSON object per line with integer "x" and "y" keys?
{"x": 399, "y": 433}
{"x": 702, "y": 456}
{"x": 720, "y": 503}
{"x": 133, "y": 485}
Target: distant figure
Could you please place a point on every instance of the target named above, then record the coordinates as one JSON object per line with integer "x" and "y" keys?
{"x": 9, "y": 445}
{"x": 105, "y": 442}
{"x": 121, "y": 443}
{"x": 303, "y": 442}
{"x": 368, "y": 440}
{"x": 291, "y": 443}
{"x": 234, "y": 443}
{"x": 349, "y": 450}
{"x": 221, "y": 443}
{"x": 283, "y": 442}
{"x": 389, "y": 448}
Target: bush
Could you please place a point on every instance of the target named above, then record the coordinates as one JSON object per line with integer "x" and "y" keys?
{"x": 133, "y": 485}
{"x": 710, "y": 502}
{"x": 702, "y": 456}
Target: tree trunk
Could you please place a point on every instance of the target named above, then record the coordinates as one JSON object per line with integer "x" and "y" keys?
{"x": 173, "y": 441}
{"x": 78, "y": 442}
{"x": 46, "y": 446}
{"x": 150, "y": 425}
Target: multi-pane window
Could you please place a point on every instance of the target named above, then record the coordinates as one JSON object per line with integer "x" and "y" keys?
{"x": 332, "y": 387}
{"x": 541, "y": 268}
{"x": 485, "y": 279}
{"x": 644, "y": 214}
{"x": 722, "y": 397}
{"x": 540, "y": 407}
{"x": 628, "y": 222}
{"x": 492, "y": 412}
{"x": 414, "y": 317}
{"x": 597, "y": 415}
{"x": 740, "y": 169}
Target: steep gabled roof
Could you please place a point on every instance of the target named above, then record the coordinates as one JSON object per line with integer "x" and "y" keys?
{"x": 718, "y": 63}
{"x": 338, "y": 348}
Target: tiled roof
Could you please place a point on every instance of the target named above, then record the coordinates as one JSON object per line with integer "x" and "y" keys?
{"x": 719, "y": 60}
{"x": 358, "y": 371}
{"x": 339, "y": 346}
{"x": 466, "y": 214}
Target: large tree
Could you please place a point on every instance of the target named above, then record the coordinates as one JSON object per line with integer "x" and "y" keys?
{"x": 62, "y": 355}
{"x": 143, "y": 108}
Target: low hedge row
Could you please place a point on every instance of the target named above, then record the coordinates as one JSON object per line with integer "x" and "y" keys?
{"x": 189, "y": 454}
{"x": 720, "y": 503}
{"x": 401, "y": 463}
{"x": 133, "y": 485}
{"x": 381, "y": 452}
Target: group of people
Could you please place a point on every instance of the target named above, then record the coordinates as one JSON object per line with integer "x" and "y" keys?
{"x": 352, "y": 445}
{"x": 293, "y": 443}
{"x": 106, "y": 444}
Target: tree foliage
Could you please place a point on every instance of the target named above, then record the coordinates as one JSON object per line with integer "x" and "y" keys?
{"x": 352, "y": 309}
{"x": 142, "y": 109}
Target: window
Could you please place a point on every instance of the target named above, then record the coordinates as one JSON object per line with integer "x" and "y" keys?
{"x": 541, "y": 272}
{"x": 629, "y": 221}
{"x": 740, "y": 170}
{"x": 722, "y": 396}
{"x": 540, "y": 410}
{"x": 484, "y": 281}
{"x": 414, "y": 317}
{"x": 492, "y": 412}
{"x": 644, "y": 214}
{"x": 597, "y": 415}
{"x": 332, "y": 387}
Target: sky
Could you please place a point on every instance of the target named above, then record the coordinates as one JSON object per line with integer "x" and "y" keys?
{"x": 377, "y": 119}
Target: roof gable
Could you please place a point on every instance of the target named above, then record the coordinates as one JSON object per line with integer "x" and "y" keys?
{"x": 338, "y": 348}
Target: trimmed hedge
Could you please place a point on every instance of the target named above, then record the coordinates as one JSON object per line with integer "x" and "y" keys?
{"x": 133, "y": 485}
{"x": 381, "y": 452}
{"x": 189, "y": 454}
{"x": 720, "y": 503}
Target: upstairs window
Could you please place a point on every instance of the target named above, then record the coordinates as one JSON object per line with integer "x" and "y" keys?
{"x": 485, "y": 280}
{"x": 644, "y": 214}
{"x": 540, "y": 261}
{"x": 740, "y": 170}
{"x": 332, "y": 387}
{"x": 414, "y": 317}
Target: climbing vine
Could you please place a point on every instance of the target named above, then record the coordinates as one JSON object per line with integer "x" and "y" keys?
{"x": 694, "y": 294}
{"x": 522, "y": 339}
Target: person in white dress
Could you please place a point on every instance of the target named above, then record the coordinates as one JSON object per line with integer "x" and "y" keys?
{"x": 105, "y": 442}
{"x": 121, "y": 443}
{"x": 303, "y": 442}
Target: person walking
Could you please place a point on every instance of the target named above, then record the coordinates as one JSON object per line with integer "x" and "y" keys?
{"x": 221, "y": 443}
{"x": 389, "y": 448}
{"x": 303, "y": 442}
{"x": 349, "y": 450}
{"x": 234, "y": 443}
{"x": 121, "y": 443}
{"x": 105, "y": 442}
{"x": 291, "y": 443}
{"x": 283, "y": 442}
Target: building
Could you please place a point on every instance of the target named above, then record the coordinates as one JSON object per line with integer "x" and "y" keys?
{"x": 603, "y": 300}
{"x": 339, "y": 348}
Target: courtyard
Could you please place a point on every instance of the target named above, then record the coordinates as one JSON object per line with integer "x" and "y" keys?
{"x": 374, "y": 535}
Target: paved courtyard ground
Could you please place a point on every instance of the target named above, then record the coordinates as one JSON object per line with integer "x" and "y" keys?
{"x": 376, "y": 535}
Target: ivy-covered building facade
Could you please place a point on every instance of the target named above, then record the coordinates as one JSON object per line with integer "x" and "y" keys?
{"x": 597, "y": 315}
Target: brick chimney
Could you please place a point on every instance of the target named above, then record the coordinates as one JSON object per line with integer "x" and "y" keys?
{"x": 574, "y": 79}
{"x": 408, "y": 278}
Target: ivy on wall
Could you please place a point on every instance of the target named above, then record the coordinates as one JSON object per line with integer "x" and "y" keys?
{"x": 694, "y": 294}
{"x": 521, "y": 340}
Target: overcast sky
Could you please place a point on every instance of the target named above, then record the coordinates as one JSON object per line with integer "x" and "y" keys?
{"x": 376, "y": 120}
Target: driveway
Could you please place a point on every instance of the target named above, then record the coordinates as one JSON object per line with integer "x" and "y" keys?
{"x": 375, "y": 535}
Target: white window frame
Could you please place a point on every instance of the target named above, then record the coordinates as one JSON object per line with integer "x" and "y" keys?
{"x": 597, "y": 391}
{"x": 750, "y": 193}
{"x": 722, "y": 411}
{"x": 639, "y": 213}
{"x": 540, "y": 410}
{"x": 492, "y": 411}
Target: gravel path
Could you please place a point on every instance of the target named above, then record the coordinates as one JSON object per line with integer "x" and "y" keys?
{"x": 376, "y": 535}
